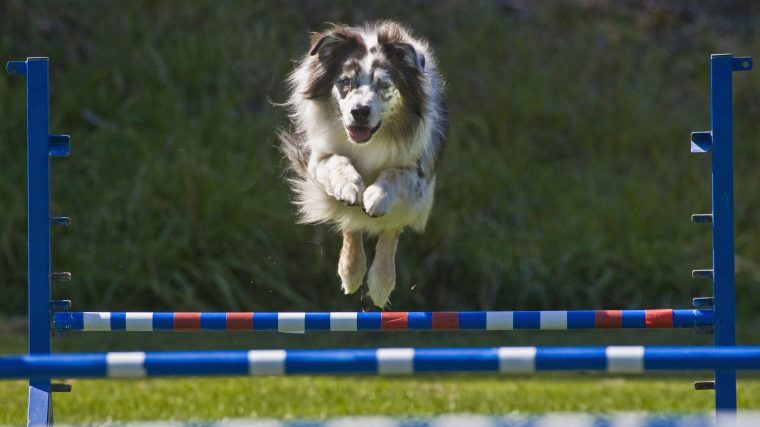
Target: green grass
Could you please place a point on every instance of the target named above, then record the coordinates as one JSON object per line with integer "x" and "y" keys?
{"x": 317, "y": 398}
{"x": 571, "y": 120}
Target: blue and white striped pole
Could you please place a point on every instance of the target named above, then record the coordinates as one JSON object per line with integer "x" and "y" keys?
{"x": 384, "y": 361}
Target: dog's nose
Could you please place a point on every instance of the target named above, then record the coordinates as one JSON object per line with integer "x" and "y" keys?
{"x": 361, "y": 113}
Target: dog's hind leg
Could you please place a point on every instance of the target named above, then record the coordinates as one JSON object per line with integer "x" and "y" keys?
{"x": 382, "y": 274}
{"x": 353, "y": 263}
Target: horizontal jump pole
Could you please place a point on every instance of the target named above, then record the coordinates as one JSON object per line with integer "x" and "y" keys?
{"x": 384, "y": 361}
{"x": 382, "y": 321}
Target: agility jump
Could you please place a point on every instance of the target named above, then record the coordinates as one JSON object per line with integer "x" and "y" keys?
{"x": 712, "y": 314}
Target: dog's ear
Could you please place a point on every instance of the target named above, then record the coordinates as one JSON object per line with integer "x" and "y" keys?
{"x": 325, "y": 43}
{"x": 393, "y": 39}
{"x": 409, "y": 55}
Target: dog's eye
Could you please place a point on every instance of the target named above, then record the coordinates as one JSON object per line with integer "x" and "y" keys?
{"x": 344, "y": 82}
{"x": 383, "y": 85}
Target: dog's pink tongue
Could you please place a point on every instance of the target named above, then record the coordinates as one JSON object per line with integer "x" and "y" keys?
{"x": 359, "y": 133}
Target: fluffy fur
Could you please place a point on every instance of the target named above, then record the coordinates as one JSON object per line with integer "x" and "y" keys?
{"x": 369, "y": 125}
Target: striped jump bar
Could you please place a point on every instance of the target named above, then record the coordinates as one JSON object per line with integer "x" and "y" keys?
{"x": 384, "y": 361}
{"x": 382, "y": 321}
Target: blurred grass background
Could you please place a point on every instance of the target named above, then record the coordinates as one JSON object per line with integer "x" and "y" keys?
{"x": 567, "y": 183}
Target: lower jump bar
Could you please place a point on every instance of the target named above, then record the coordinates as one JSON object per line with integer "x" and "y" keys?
{"x": 382, "y": 321}
{"x": 389, "y": 361}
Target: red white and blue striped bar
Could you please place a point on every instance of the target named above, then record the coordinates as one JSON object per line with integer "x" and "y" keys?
{"x": 384, "y": 361}
{"x": 383, "y": 321}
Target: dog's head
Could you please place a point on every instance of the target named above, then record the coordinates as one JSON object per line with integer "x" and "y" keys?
{"x": 372, "y": 73}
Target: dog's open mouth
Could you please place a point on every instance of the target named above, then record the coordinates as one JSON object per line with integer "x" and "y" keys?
{"x": 361, "y": 134}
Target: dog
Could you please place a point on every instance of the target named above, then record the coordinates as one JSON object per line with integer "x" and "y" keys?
{"x": 369, "y": 124}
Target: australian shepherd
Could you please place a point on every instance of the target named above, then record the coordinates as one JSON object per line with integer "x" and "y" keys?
{"x": 369, "y": 125}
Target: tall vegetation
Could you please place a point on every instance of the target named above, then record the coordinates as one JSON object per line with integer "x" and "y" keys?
{"x": 567, "y": 181}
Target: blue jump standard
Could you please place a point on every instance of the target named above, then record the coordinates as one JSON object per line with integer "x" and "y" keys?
{"x": 39, "y": 151}
{"x": 383, "y": 361}
{"x": 721, "y": 147}
{"x": 724, "y": 359}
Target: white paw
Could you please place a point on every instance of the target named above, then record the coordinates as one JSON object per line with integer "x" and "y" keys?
{"x": 376, "y": 201}
{"x": 349, "y": 191}
{"x": 381, "y": 281}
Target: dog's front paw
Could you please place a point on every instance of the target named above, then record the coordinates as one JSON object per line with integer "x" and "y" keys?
{"x": 376, "y": 201}
{"x": 349, "y": 192}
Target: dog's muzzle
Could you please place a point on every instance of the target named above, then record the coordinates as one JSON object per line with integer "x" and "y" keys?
{"x": 362, "y": 134}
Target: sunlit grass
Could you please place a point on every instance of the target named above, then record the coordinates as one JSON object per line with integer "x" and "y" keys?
{"x": 323, "y": 397}
{"x": 567, "y": 181}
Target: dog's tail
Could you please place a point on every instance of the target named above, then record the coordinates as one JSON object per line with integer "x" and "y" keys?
{"x": 295, "y": 150}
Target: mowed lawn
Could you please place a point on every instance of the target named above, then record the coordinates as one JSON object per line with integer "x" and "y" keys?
{"x": 317, "y": 398}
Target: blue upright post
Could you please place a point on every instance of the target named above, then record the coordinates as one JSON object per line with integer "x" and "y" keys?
{"x": 721, "y": 113}
{"x": 38, "y": 237}
{"x": 38, "y": 170}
